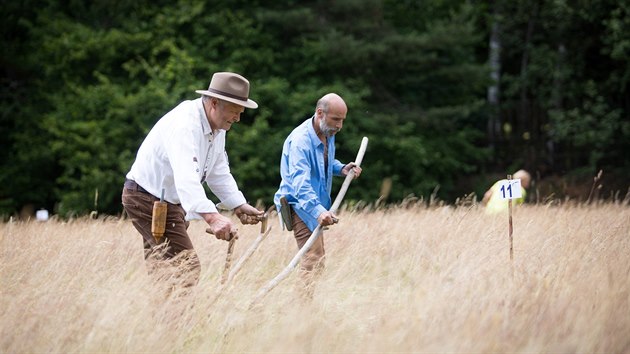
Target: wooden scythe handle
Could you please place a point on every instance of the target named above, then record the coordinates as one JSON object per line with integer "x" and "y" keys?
{"x": 228, "y": 257}
{"x": 228, "y": 260}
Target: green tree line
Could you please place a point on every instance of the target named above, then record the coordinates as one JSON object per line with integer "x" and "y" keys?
{"x": 449, "y": 92}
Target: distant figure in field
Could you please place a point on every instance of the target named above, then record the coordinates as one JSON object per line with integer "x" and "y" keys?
{"x": 492, "y": 198}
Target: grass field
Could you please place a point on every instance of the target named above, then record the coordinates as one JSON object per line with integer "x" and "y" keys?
{"x": 399, "y": 280}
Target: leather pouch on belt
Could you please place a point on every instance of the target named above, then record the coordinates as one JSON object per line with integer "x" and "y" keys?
{"x": 285, "y": 213}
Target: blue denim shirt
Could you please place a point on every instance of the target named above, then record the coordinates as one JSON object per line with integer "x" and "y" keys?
{"x": 305, "y": 184}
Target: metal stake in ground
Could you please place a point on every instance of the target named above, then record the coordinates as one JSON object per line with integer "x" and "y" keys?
{"x": 342, "y": 192}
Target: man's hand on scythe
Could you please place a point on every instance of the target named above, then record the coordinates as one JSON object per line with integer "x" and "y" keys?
{"x": 327, "y": 218}
{"x": 351, "y": 167}
{"x": 248, "y": 214}
{"x": 220, "y": 226}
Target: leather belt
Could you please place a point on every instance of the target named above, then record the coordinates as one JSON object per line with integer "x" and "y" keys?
{"x": 133, "y": 186}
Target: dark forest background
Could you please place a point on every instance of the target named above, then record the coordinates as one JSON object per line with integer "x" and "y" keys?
{"x": 453, "y": 94}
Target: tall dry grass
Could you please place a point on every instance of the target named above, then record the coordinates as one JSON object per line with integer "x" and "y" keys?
{"x": 398, "y": 280}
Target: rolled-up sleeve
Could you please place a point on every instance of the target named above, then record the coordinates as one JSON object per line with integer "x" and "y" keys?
{"x": 337, "y": 167}
{"x": 223, "y": 184}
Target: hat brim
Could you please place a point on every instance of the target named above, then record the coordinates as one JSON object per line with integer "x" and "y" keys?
{"x": 247, "y": 104}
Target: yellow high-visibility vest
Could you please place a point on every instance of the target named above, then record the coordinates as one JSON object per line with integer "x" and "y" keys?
{"x": 496, "y": 204}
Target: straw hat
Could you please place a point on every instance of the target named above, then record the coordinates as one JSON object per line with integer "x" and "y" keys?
{"x": 230, "y": 87}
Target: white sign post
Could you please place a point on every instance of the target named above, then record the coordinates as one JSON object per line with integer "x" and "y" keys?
{"x": 510, "y": 189}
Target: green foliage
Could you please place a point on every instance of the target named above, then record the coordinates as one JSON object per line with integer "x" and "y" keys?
{"x": 591, "y": 128}
{"x": 83, "y": 82}
{"x": 564, "y": 84}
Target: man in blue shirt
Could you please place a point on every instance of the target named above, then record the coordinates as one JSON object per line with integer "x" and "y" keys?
{"x": 306, "y": 167}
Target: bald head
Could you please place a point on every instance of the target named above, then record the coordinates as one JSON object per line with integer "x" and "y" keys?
{"x": 332, "y": 101}
{"x": 524, "y": 176}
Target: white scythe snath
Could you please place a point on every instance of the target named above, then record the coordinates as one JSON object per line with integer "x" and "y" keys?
{"x": 342, "y": 192}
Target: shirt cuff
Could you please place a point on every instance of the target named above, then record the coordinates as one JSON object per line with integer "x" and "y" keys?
{"x": 317, "y": 211}
{"x": 337, "y": 168}
{"x": 206, "y": 207}
{"x": 232, "y": 202}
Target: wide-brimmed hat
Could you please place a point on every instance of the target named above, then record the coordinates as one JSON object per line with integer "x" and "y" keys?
{"x": 230, "y": 87}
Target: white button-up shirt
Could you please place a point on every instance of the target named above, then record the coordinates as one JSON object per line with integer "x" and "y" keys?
{"x": 179, "y": 154}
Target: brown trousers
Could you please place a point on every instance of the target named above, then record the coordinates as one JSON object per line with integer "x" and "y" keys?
{"x": 313, "y": 262}
{"x": 174, "y": 260}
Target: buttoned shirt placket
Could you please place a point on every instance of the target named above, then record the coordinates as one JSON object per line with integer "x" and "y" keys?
{"x": 207, "y": 159}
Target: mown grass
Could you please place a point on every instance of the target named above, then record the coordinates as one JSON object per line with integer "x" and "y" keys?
{"x": 412, "y": 279}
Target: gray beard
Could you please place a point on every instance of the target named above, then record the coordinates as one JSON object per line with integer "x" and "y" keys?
{"x": 326, "y": 130}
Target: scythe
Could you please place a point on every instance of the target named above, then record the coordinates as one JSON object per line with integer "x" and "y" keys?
{"x": 342, "y": 192}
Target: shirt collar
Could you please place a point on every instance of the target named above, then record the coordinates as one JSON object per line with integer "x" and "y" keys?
{"x": 204, "y": 119}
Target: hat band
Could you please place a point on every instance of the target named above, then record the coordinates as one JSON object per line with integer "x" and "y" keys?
{"x": 227, "y": 94}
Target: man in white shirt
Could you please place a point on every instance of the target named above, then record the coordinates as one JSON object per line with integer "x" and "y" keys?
{"x": 184, "y": 149}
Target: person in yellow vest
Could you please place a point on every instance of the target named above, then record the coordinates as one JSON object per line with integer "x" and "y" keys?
{"x": 492, "y": 198}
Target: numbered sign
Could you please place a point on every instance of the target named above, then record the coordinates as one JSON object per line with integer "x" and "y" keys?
{"x": 510, "y": 189}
